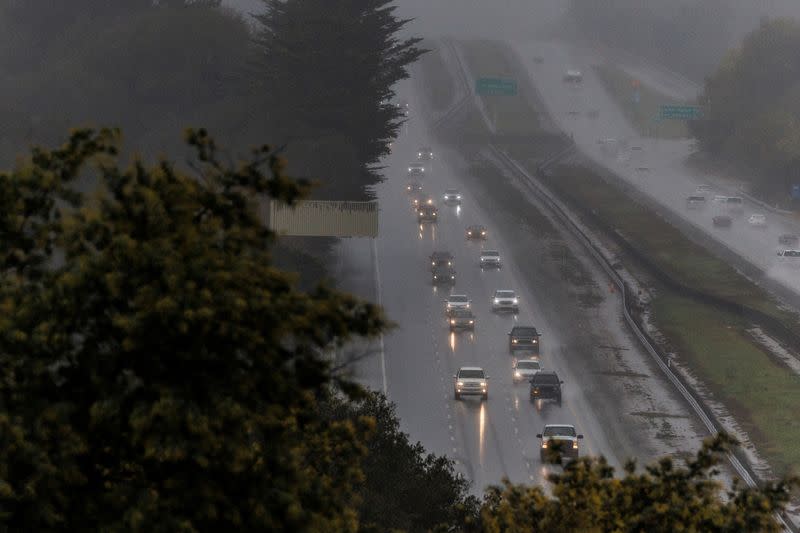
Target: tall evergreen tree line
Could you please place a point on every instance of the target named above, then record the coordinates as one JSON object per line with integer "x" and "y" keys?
{"x": 326, "y": 70}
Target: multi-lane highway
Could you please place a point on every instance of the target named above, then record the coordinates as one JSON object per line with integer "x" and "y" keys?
{"x": 612, "y": 394}
{"x": 657, "y": 167}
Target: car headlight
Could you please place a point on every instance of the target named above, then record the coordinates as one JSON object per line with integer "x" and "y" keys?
{"x": 458, "y": 197}
{"x": 435, "y": 276}
{"x": 536, "y": 391}
{"x": 514, "y": 341}
{"x": 471, "y": 321}
{"x": 517, "y": 374}
{"x": 516, "y": 301}
{"x": 452, "y": 277}
{"x": 483, "y": 233}
{"x": 460, "y": 384}
{"x": 452, "y": 322}
{"x": 574, "y": 445}
{"x": 467, "y": 305}
{"x": 497, "y": 301}
{"x": 535, "y": 341}
{"x": 544, "y": 444}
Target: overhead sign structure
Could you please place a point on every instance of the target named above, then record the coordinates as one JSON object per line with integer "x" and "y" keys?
{"x": 680, "y": 112}
{"x": 317, "y": 218}
{"x": 494, "y": 86}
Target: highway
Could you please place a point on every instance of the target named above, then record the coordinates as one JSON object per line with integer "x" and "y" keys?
{"x": 658, "y": 167}
{"x": 612, "y": 394}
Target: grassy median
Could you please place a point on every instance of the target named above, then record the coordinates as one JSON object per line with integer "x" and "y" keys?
{"x": 644, "y": 114}
{"x": 512, "y": 115}
{"x": 762, "y": 394}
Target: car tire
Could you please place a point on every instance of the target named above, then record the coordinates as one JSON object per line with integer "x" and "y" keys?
{"x": 456, "y": 396}
{"x": 541, "y": 455}
{"x": 485, "y": 397}
{"x": 559, "y": 401}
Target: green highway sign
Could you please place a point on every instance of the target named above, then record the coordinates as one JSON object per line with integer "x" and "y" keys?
{"x": 680, "y": 112}
{"x": 486, "y": 86}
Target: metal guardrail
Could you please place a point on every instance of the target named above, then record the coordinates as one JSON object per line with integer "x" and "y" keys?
{"x": 738, "y": 463}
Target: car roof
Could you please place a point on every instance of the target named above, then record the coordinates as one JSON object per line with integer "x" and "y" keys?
{"x": 470, "y": 368}
{"x": 524, "y": 327}
{"x": 457, "y": 296}
{"x": 503, "y": 290}
{"x": 489, "y": 252}
{"x": 451, "y": 190}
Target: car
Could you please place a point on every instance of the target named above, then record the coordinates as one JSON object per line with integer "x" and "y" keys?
{"x": 573, "y": 76}
{"x": 695, "y": 202}
{"x": 545, "y": 385}
{"x": 452, "y": 196}
{"x": 702, "y": 189}
{"x": 427, "y": 213}
{"x": 461, "y": 319}
{"x": 734, "y": 203}
{"x": 421, "y": 199}
{"x": 425, "y": 153}
{"x": 471, "y": 380}
{"x": 457, "y": 301}
{"x": 524, "y": 338}
{"x": 722, "y": 221}
{"x": 416, "y": 169}
{"x": 414, "y": 186}
{"x": 789, "y": 258}
{"x": 563, "y": 436}
{"x": 476, "y": 232}
{"x": 443, "y": 274}
{"x": 788, "y": 239}
{"x": 490, "y": 259}
{"x": 505, "y": 300}
{"x": 403, "y": 107}
{"x": 757, "y": 221}
{"x": 441, "y": 259}
{"x": 524, "y": 369}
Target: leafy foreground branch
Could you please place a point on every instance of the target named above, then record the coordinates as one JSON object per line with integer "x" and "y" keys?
{"x": 664, "y": 497}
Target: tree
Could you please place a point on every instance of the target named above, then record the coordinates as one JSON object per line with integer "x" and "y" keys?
{"x": 664, "y": 498}
{"x": 330, "y": 67}
{"x": 157, "y": 373}
{"x": 404, "y": 488}
{"x": 751, "y": 107}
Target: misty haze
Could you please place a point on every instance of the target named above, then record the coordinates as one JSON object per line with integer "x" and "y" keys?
{"x": 422, "y": 265}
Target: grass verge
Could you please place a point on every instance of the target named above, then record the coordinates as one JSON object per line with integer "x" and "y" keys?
{"x": 761, "y": 393}
{"x": 513, "y": 115}
{"x": 682, "y": 259}
{"x": 642, "y": 115}
{"x": 439, "y": 85}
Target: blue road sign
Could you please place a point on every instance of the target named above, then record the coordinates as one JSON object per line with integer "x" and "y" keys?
{"x": 487, "y": 86}
{"x": 680, "y": 112}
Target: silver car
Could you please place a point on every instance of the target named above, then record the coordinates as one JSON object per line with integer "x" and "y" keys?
{"x": 471, "y": 380}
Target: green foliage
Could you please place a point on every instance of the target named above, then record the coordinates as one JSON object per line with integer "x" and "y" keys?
{"x": 663, "y": 498}
{"x": 326, "y": 70}
{"x": 752, "y": 107}
{"x": 404, "y": 488}
{"x": 157, "y": 372}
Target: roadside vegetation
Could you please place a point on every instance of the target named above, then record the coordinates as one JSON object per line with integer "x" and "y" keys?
{"x": 644, "y": 114}
{"x": 752, "y": 110}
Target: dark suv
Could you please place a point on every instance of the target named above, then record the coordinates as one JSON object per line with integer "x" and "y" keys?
{"x": 545, "y": 385}
{"x": 523, "y": 338}
{"x": 443, "y": 274}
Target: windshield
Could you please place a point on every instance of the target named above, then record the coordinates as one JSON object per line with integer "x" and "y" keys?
{"x": 458, "y": 298}
{"x": 490, "y": 253}
{"x": 525, "y": 332}
{"x": 504, "y": 294}
{"x": 697, "y": 199}
{"x": 462, "y": 313}
{"x": 534, "y": 365}
{"x": 451, "y": 191}
{"x": 470, "y": 374}
{"x": 546, "y": 379}
{"x": 735, "y": 200}
{"x": 559, "y": 431}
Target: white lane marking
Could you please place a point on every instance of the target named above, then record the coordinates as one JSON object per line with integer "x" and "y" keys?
{"x": 378, "y": 291}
